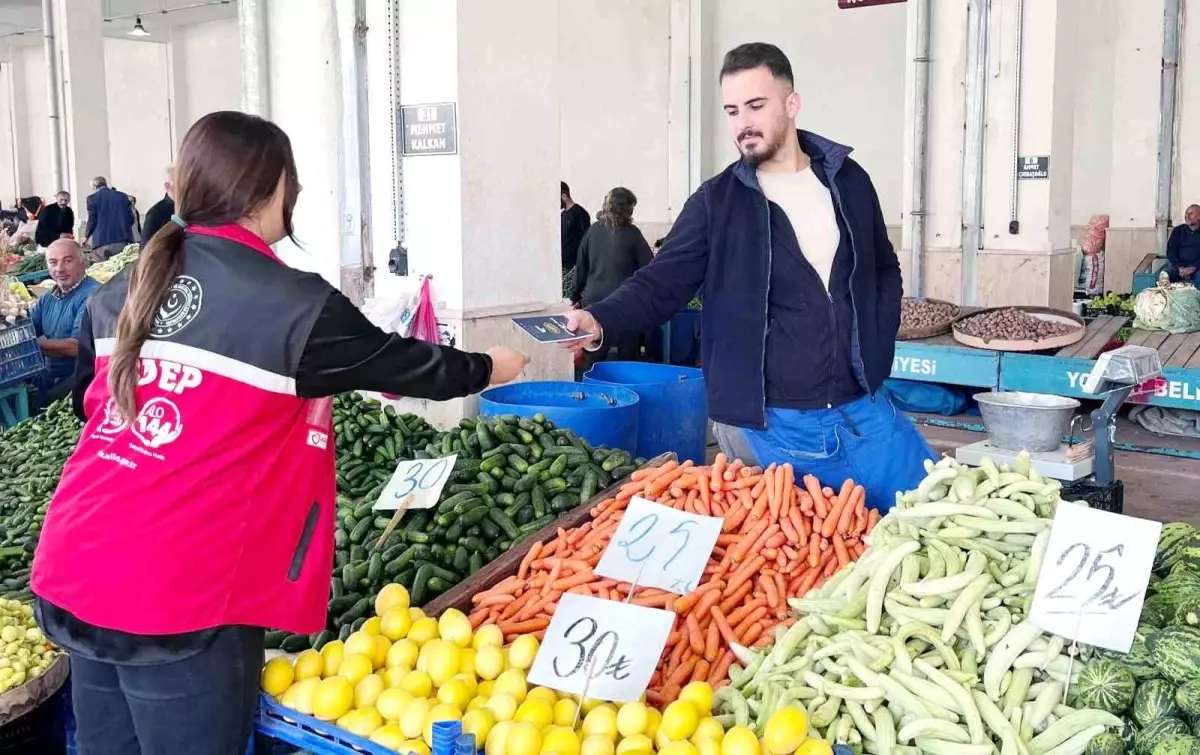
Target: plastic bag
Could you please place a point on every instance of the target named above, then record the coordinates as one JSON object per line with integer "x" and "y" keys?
{"x": 1097, "y": 232}
{"x": 395, "y": 313}
{"x": 1172, "y": 307}
{"x": 420, "y": 321}
{"x": 1090, "y": 280}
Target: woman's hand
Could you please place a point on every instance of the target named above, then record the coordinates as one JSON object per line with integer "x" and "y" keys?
{"x": 507, "y": 364}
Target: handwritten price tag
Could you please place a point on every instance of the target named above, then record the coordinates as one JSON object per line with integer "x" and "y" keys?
{"x": 619, "y": 643}
{"x": 1094, "y": 576}
{"x": 423, "y": 479}
{"x": 658, "y": 546}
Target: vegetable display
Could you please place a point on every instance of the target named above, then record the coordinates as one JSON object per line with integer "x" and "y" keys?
{"x": 27, "y": 654}
{"x": 34, "y": 262}
{"x": 103, "y": 272}
{"x": 778, "y": 540}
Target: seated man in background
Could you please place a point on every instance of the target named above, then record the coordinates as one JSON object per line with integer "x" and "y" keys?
{"x": 1183, "y": 248}
{"x": 56, "y": 317}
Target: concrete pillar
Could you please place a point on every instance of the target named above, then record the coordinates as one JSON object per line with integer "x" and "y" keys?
{"x": 8, "y": 152}
{"x": 16, "y": 125}
{"x": 179, "y": 119}
{"x": 80, "y": 38}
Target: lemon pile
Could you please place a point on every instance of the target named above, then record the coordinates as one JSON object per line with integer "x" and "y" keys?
{"x": 25, "y": 653}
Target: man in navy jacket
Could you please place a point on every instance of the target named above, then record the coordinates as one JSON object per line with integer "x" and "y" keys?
{"x": 110, "y": 220}
{"x": 801, "y": 291}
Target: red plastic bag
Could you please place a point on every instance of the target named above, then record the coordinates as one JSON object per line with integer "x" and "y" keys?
{"x": 424, "y": 324}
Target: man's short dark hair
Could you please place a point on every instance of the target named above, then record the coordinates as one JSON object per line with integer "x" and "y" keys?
{"x": 756, "y": 55}
{"x": 565, "y": 189}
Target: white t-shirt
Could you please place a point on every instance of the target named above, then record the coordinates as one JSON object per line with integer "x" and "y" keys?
{"x": 809, "y": 208}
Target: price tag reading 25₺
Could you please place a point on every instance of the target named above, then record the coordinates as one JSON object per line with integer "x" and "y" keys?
{"x": 658, "y": 546}
{"x": 618, "y": 643}
{"x": 423, "y": 479}
{"x": 1094, "y": 575}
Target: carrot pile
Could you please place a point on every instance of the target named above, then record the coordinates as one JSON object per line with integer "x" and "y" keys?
{"x": 779, "y": 540}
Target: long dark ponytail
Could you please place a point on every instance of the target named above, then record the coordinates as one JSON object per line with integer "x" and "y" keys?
{"x": 229, "y": 167}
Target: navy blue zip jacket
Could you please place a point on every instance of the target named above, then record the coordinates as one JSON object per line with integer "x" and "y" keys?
{"x": 770, "y": 333}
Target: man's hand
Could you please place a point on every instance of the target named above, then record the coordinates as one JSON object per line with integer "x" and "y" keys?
{"x": 581, "y": 321}
{"x": 507, "y": 364}
{"x": 1187, "y": 272}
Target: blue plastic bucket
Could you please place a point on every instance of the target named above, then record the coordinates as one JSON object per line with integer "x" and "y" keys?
{"x": 673, "y": 407}
{"x": 603, "y": 415}
{"x": 685, "y": 338}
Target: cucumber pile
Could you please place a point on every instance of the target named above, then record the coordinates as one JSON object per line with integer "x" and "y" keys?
{"x": 512, "y": 477}
{"x": 32, "y": 455}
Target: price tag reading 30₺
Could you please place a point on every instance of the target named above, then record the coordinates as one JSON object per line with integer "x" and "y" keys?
{"x": 1094, "y": 575}
{"x": 658, "y": 546}
{"x": 423, "y": 479}
{"x": 619, "y": 642}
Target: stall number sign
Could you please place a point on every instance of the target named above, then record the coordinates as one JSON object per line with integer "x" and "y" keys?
{"x": 1094, "y": 575}
{"x": 423, "y": 479}
{"x": 609, "y": 648}
{"x": 658, "y": 546}
{"x": 429, "y": 129}
{"x": 1033, "y": 167}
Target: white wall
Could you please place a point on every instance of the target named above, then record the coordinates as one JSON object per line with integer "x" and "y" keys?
{"x": 212, "y": 60}
{"x": 37, "y": 179}
{"x": 615, "y": 77}
{"x": 139, "y": 135}
{"x": 849, "y": 71}
{"x": 8, "y": 162}
{"x": 1092, "y": 161}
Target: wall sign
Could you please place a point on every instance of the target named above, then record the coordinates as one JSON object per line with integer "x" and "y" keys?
{"x": 846, "y": 4}
{"x": 1033, "y": 167}
{"x": 429, "y": 129}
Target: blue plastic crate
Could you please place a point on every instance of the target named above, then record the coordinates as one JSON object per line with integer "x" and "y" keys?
{"x": 313, "y": 735}
{"x": 20, "y": 355}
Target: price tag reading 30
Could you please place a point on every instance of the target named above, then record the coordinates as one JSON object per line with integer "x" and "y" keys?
{"x": 1094, "y": 575}
{"x": 423, "y": 479}
{"x": 668, "y": 548}
{"x": 619, "y": 643}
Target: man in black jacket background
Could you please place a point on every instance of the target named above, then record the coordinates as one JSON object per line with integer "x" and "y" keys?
{"x": 575, "y": 222}
{"x": 161, "y": 211}
{"x": 55, "y": 221}
{"x": 801, "y": 290}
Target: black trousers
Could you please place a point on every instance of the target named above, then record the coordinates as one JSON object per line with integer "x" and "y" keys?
{"x": 201, "y": 705}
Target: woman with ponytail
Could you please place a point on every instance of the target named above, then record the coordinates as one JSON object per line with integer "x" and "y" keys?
{"x": 199, "y": 508}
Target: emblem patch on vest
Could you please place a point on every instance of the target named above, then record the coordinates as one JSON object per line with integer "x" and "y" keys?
{"x": 181, "y": 306}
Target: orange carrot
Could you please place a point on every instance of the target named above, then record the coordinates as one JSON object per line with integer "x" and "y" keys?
{"x": 723, "y": 625}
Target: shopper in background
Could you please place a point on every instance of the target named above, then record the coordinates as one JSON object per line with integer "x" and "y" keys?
{"x": 57, "y": 317}
{"x": 198, "y": 507}
{"x": 801, "y": 294}
{"x": 161, "y": 211}
{"x": 109, "y": 222}
{"x": 136, "y": 228}
{"x": 31, "y": 209}
{"x": 56, "y": 221}
{"x": 612, "y": 250}
{"x": 574, "y": 221}
{"x": 1183, "y": 247}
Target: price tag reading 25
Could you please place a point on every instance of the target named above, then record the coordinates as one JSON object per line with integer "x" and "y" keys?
{"x": 658, "y": 546}
{"x": 423, "y": 479}
{"x": 617, "y": 644}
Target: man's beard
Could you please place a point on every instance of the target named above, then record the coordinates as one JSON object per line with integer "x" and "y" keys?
{"x": 766, "y": 152}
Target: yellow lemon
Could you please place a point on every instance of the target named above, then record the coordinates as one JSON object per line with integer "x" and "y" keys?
{"x": 288, "y": 698}
{"x": 560, "y": 740}
{"x": 489, "y": 662}
{"x": 487, "y": 636}
{"x": 815, "y": 747}
{"x": 536, "y": 711}
{"x": 700, "y": 694}
{"x": 367, "y": 691}
{"x": 466, "y": 662}
{"x": 740, "y": 740}
{"x": 360, "y": 643}
{"x": 383, "y": 646}
{"x": 469, "y": 680}
{"x": 412, "y": 719}
{"x": 391, "y": 703}
{"x": 591, "y": 704}
{"x": 660, "y": 740}
{"x": 416, "y": 613}
{"x": 403, "y": 653}
{"x": 564, "y": 712}
{"x": 363, "y": 721}
{"x": 391, "y": 597}
{"x": 503, "y": 705}
{"x": 371, "y": 626}
{"x": 277, "y": 676}
{"x": 393, "y": 676}
{"x": 332, "y": 655}
{"x": 598, "y": 744}
{"x": 522, "y": 652}
{"x": 417, "y": 684}
{"x": 356, "y": 667}
{"x": 709, "y": 728}
{"x": 388, "y": 735}
{"x": 786, "y": 730}
{"x": 636, "y": 743}
{"x": 456, "y": 693}
{"x": 707, "y": 746}
{"x": 423, "y": 630}
{"x": 453, "y": 625}
{"x": 478, "y": 722}
{"x": 679, "y": 748}
{"x": 633, "y": 718}
{"x": 486, "y": 689}
{"x": 439, "y": 713}
{"x": 304, "y": 696}
{"x": 414, "y": 747}
{"x": 653, "y": 722}
{"x": 601, "y": 720}
{"x": 395, "y": 624}
{"x": 497, "y": 738}
{"x": 523, "y": 739}
{"x": 332, "y": 698}
{"x": 308, "y": 665}
{"x": 512, "y": 682}
{"x": 679, "y": 720}
{"x": 542, "y": 693}
{"x": 442, "y": 662}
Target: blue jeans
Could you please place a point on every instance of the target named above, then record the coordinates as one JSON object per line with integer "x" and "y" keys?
{"x": 868, "y": 441}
